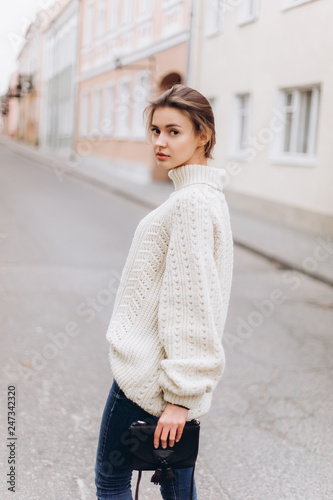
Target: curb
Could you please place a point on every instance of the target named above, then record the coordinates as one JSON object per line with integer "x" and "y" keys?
{"x": 284, "y": 263}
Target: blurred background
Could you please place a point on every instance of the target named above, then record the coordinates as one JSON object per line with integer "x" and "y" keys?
{"x": 78, "y": 174}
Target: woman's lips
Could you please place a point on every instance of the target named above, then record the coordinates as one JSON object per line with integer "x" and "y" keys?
{"x": 162, "y": 156}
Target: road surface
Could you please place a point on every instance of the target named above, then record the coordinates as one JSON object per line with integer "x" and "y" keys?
{"x": 62, "y": 249}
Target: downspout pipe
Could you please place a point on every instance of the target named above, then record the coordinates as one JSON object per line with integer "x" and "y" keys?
{"x": 190, "y": 43}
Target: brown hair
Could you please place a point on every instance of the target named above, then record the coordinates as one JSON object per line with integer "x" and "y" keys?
{"x": 190, "y": 102}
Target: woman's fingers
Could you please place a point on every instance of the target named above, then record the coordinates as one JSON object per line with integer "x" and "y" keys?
{"x": 164, "y": 436}
{"x": 179, "y": 433}
{"x": 157, "y": 434}
{"x": 172, "y": 435}
{"x": 162, "y": 433}
{"x": 170, "y": 425}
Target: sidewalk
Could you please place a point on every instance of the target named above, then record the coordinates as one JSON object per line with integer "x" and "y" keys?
{"x": 311, "y": 254}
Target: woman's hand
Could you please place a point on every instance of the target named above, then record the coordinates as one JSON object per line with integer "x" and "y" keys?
{"x": 171, "y": 423}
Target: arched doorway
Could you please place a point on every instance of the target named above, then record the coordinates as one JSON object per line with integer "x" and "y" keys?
{"x": 169, "y": 80}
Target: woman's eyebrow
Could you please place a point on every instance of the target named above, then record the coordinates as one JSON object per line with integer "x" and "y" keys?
{"x": 170, "y": 125}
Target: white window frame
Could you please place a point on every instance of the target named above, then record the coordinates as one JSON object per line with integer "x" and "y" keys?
{"x": 144, "y": 33}
{"x": 107, "y": 125}
{"x": 240, "y": 122}
{"x": 68, "y": 123}
{"x": 140, "y": 94}
{"x": 169, "y": 3}
{"x": 214, "y": 17}
{"x": 248, "y": 11}
{"x": 173, "y": 11}
{"x": 113, "y": 14}
{"x": 278, "y": 154}
{"x": 127, "y": 12}
{"x": 84, "y": 113}
{"x": 101, "y": 18}
{"x": 290, "y": 4}
{"x": 123, "y": 109}
{"x": 96, "y": 111}
{"x": 213, "y": 102}
{"x": 145, "y": 10}
{"x": 61, "y": 118}
{"x": 89, "y": 23}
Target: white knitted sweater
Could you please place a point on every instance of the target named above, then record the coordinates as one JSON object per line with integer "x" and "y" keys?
{"x": 171, "y": 305}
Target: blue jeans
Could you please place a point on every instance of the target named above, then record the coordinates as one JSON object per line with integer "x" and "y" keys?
{"x": 112, "y": 472}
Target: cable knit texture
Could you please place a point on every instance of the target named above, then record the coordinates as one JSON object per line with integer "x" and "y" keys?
{"x": 171, "y": 305}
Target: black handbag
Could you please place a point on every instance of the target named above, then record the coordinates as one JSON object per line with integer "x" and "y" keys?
{"x": 142, "y": 455}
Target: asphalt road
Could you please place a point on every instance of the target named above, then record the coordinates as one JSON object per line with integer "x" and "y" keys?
{"x": 62, "y": 249}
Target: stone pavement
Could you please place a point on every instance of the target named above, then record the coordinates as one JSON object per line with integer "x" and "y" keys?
{"x": 311, "y": 254}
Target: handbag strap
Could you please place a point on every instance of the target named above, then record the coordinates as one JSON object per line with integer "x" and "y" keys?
{"x": 137, "y": 485}
{"x": 139, "y": 479}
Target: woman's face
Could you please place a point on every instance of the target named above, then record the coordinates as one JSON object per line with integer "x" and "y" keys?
{"x": 173, "y": 136}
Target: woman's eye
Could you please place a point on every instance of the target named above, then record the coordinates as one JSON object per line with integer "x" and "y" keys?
{"x": 155, "y": 130}
{"x": 176, "y": 132}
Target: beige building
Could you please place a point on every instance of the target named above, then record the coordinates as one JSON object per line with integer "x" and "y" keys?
{"x": 128, "y": 51}
{"x": 11, "y": 107}
{"x": 44, "y": 53}
{"x": 266, "y": 68}
{"x": 29, "y": 60}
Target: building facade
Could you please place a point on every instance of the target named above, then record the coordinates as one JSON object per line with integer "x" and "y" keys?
{"x": 60, "y": 55}
{"x": 272, "y": 93}
{"x": 29, "y": 60}
{"x": 129, "y": 51}
{"x": 10, "y": 107}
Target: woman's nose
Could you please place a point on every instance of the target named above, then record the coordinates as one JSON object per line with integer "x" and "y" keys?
{"x": 160, "y": 140}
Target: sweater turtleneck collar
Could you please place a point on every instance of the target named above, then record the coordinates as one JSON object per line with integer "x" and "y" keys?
{"x": 197, "y": 174}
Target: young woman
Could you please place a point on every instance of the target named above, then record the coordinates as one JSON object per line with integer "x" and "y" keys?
{"x": 170, "y": 309}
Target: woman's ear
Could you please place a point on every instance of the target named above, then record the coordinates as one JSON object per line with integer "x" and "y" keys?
{"x": 204, "y": 137}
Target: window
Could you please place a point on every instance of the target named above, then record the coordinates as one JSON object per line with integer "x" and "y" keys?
{"x": 113, "y": 14}
{"x": 108, "y": 106}
{"x": 88, "y": 23}
{"x": 297, "y": 110}
{"x": 248, "y": 11}
{"x": 145, "y": 7}
{"x": 140, "y": 93}
{"x": 84, "y": 115}
{"x": 96, "y": 111}
{"x": 214, "y": 17}
{"x": 61, "y": 118}
{"x": 101, "y": 17}
{"x": 243, "y": 119}
{"x": 172, "y": 18}
{"x": 212, "y": 101}
{"x": 296, "y": 142}
{"x": 240, "y": 126}
{"x": 123, "y": 109}
{"x": 289, "y": 4}
{"x": 144, "y": 34}
{"x": 127, "y": 11}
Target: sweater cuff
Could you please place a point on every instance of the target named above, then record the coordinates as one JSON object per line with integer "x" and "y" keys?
{"x": 185, "y": 401}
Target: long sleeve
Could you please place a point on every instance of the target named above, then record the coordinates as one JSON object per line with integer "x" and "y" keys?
{"x": 190, "y": 313}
